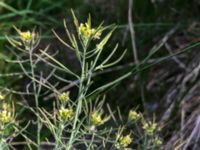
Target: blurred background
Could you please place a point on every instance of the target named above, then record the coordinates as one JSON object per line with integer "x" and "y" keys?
{"x": 166, "y": 90}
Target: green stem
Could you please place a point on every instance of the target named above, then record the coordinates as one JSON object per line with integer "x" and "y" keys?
{"x": 35, "y": 94}
{"x": 80, "y": 99}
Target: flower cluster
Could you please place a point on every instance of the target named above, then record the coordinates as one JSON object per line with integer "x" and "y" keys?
{"x": 64, "y": 97}
{"x": 1, "y": 97}
{"x": 86, "y": 31}
{"x": 156, "y": 142}
{"x": 122, "y": 141}
{"x": 134, "y": 116}
{"x": 150, "y": 127}
{"x": 66, "y": 114}
{"x": 125, "y": 141}
{"x": 6, "y": 115}
{"x": 26, "y": 39}
{"x": 26, "y": 36}
{"x": 98, "y": 119}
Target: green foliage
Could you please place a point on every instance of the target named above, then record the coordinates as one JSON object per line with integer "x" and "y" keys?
{"x": 71, "y": 115}
{"x": 79, "y": 118}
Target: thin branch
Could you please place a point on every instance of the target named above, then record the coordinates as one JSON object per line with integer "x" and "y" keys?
{"x": 132, "y": 32}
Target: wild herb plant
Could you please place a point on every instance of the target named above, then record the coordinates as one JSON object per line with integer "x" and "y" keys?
{"x": 81, "y": 122}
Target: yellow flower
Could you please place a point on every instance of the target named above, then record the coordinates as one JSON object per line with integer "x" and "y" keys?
{"x": 64, "y": 97}
{"x": 156, "y": 142}
{"x": 122, "y": 141}
{"x": 1, "y": 97}
{"x": 97, "y": 119}
{"x": 6, "y": 116}
{"x": 86, "y": 31}
{"x": 5, "y": 106}
{"x": 125, "y": 141}
{"x": 66, "y": 113}
{"x": 25, "y": 36}
{"x": 150, "y": 127}
{"x": 134, "y": 116}
{"x": 95, "y": 34}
